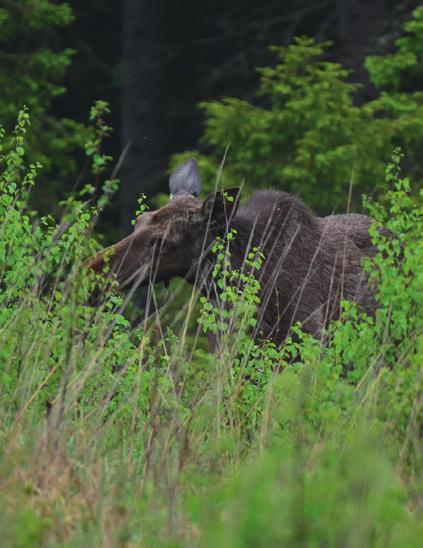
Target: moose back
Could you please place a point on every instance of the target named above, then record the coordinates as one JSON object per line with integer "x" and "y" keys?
{"x": 310, "y": 263}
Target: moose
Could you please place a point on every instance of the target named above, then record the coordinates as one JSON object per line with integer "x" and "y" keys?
{"x": 310, "y": 263}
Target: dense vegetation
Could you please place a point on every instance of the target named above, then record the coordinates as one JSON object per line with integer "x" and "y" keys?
{"x": 123, "y": 429}
{"x": 31, "y": 75}
{"x": 127, "y": 435}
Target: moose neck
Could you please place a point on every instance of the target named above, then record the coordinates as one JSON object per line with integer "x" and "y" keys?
{"x": 247, "y": 236}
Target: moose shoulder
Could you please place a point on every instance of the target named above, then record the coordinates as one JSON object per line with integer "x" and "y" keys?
{"x": 310, "y": 263}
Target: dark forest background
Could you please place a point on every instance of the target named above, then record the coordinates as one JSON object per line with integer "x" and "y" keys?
{"x": 155, "y": 61}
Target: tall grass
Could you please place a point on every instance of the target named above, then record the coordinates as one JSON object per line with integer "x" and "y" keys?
{"x": 119, "y": 433}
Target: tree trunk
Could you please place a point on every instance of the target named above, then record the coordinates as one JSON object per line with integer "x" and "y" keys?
{"x": 143, "y": 119}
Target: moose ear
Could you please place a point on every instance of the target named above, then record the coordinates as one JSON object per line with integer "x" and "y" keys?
{"x": 219, "y": 208}
{"x": 186, "y": 179}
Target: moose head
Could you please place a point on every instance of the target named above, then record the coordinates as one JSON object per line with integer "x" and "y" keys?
{"x": 171, "y": 241}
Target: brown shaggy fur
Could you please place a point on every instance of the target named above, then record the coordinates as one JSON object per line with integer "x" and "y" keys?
{"x": 310, "y": 263}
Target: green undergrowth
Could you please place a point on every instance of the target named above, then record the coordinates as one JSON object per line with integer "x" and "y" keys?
{"x": 123, "y": 433}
